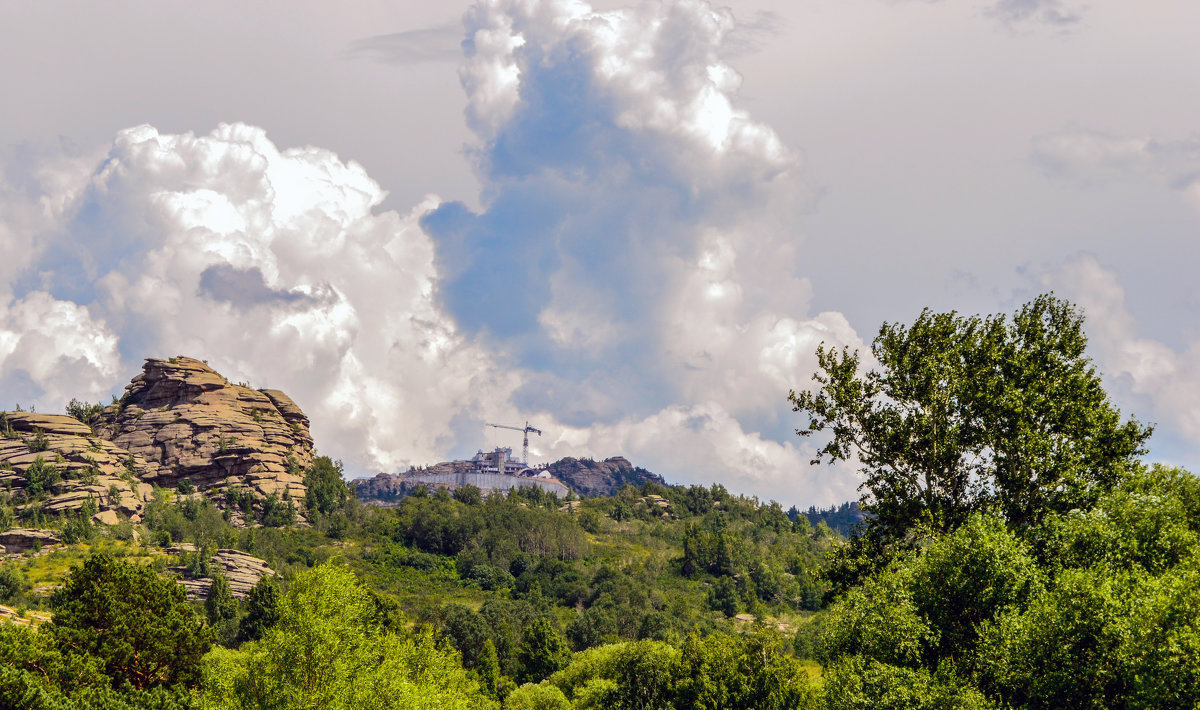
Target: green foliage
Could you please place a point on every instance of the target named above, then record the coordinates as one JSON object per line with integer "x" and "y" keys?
{"x": 185, "y": 487}
{"x": 969, "y": 577}
{"x": 468, "y": 495}
{"x": 277, "y": 513}
{"x": 537, "y": 697}
{"x": 139, "y": 625}
{"x": 724, "y": 597}
{"x": 36, "y": 675}
{"x": 544, "y": 651}
{"x": 12, "y": 583}
{"x": 221, "y": 609}
{"x": 262, "y": 610}
{"x": 1064, "y": 651}
{"x": 38, "y": 441}
{"x": 326, "y": 652}
{"x": 713, "y": 672}
{"x": 722, "y": 671}
{"x": 40, "y": 478}
{"x": 86, "y": 412}
{"x": 854, "y": 683}
{"x": 879, "y": 620}
{"x": 965, "y": 413}
{"x": 326, "y": 491}
{"x": 79, "y": 526}
{"x": 467, "y": 632}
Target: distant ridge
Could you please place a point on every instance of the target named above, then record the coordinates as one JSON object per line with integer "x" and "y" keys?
{"x": 586, "y": 477}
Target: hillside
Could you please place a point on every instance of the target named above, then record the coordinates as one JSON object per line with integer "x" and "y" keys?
{"x": 585, "y": 477}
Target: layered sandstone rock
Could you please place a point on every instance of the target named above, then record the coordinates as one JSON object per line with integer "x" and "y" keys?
{"x": 78, "y": 464}
{"x": 241, "y": 570}
{"x": 188, "y": 422}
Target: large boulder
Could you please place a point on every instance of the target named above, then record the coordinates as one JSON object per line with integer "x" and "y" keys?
{"x": 189, "y": 422}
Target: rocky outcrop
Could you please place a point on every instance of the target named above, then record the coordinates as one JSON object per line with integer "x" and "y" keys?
{"x": 189, "y": 422}
{"x": 18, "y": 540}
{"x": 601, "y": 478}
{"x": 70, "y": 467}
{"x": 242, "y": 570}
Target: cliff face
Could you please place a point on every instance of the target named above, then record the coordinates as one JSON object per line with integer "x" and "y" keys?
{"x": 601, "y": 478}
{"x": 189, "y": 422}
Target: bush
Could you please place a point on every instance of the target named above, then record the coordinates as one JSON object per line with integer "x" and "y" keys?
{"x": 41, "y": 477}
{"x": 12, "y": 583}
{"x": 86, "y": 412}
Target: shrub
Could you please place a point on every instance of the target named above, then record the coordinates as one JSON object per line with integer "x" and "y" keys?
{"x": 40, "y": 477}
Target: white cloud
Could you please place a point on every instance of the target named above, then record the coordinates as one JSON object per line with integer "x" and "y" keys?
{"x": 1087, "y": 156}
{"x": 704, "y": 443}
{"x": 53, "y": 350}
{"x": 631, "y": 283}
{"x": 1167, "y": 379}
{"x": 273, "y": 266}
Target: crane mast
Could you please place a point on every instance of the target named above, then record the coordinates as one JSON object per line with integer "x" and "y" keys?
{"x": 524, "y": 430}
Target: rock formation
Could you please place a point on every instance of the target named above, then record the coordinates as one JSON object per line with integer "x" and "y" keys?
{"x": 241, "y": 570}
{"x": 177, "y": 420}
{"x": 71, "y": 465}
{"x": 188, "y": 422}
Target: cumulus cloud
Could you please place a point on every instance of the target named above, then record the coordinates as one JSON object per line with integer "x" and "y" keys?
{"x": 634, "y": 213}
{"x": 1164, "y": 378}
{"x": 269, "y": 263}
{"x": 1087, "y": 156}
{"x": 53, "y": 350}
{"x": 631, "y": 284}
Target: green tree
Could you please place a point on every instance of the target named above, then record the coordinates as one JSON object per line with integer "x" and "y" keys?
{"x": 854, "y": 683}
{"x": 222, "y": 610}
{"x": 12, "y": 583}
{"x": 723, "y": 671}
{"x": 326, "y": 490}
{"x": 262, "y": 610}
{"x": 969, "y": 577}
{"x": 139, "y": 625}
{"x": 468, "y": 632}
{"x": 1067, "y": 649}
{"x": 963, "y": 413}
{"x": 326, "y": 651}
{"x": 544, "y": 651}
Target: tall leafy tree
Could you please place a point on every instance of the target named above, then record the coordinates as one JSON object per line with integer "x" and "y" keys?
{"x": 327, "y": 651}
{"x": 963, "y": 413}
{"x": 139, "y": 624}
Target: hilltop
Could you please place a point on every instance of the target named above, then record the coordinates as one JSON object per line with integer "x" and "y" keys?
{"x": 584, "y": 477}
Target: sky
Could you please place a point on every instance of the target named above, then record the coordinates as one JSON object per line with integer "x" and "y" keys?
{"x": 627, "y": 224}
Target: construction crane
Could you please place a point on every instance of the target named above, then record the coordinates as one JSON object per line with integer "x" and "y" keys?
{"x": 525, "y": 431}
